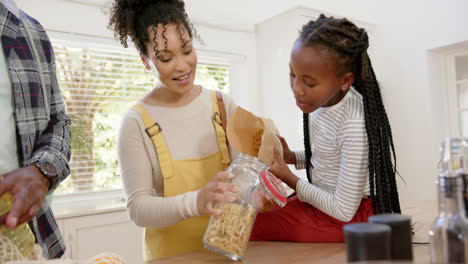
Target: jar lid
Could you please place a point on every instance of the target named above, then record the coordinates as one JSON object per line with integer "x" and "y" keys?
{"x": 274, "y": 187}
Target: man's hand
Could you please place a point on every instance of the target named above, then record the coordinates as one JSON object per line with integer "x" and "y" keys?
{"x": 29, "y": 188}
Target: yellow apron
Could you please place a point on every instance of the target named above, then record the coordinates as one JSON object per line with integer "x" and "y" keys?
{"x": 181, "y": 176}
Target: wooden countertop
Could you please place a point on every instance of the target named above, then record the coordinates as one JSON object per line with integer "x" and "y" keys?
{"x": 283, "y": 252}
{"x": 422, "y": 215}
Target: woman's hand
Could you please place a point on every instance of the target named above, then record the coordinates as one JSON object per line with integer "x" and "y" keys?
{"x": 289, "y": 156}
{"x": 280, "y": 169}
{"x": 216, "y": 190}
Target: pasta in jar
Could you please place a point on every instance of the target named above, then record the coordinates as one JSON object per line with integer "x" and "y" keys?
{"x": 230, "y": 231}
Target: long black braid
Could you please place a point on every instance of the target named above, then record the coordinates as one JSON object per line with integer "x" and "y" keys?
{"x": 347, "y": 44}
{"x": 308, "y": 152}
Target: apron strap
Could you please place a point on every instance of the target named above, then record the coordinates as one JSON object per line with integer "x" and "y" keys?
{"x": 222, "y": 110}
{"x": 153, "y": 130}
{"x": 218, "y": 119}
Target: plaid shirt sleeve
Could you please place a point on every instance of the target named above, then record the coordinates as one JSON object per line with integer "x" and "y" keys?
{"x": 43, "y": 127}
{"x": 54, "y": 144}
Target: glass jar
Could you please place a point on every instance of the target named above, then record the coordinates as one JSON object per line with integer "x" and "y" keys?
{"x": 270, "y": 188}
{"x": 228, "y": 234}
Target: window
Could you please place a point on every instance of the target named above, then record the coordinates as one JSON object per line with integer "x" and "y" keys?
{"x": 99, "y": 84}
{"x": 458, "y": 93}
{"x": 461, "y": 66}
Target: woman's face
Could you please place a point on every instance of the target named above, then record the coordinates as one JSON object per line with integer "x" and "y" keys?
{"x": 170, "y": 53}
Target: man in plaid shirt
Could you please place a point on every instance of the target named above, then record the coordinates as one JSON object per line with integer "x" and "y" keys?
{"x": 35, "y": 140}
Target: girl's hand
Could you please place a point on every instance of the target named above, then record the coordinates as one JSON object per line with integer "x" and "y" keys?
{"x": 289, "y": 156}
{"x": 265, "y": 201}
{"x": 281, "y": 170}
{"x": 216, "y": 190}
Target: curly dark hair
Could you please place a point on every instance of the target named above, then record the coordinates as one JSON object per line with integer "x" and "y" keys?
{"x": 131, "y": 19}
{"x": 347, "y": 45}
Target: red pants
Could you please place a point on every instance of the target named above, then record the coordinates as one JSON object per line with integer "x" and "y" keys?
{"x": 301, "y": 222}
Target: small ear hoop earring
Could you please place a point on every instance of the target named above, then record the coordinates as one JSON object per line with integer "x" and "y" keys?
{"x": 147, "y": 70}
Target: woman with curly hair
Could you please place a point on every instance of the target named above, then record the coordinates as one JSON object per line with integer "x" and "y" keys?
{"x": 172, "y": 146}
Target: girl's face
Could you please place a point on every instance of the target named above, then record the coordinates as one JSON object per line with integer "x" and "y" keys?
{"x": 314, "y": 80}
{"x": 176, "y": 62}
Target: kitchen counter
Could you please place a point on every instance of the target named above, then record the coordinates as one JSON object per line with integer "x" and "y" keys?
{"x": 422, "y": 215}
{"x": 284, "y": 252}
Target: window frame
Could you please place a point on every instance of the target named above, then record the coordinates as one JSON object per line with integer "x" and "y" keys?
{"x": 232, "y": 60}
{"x": 453, "y": 107}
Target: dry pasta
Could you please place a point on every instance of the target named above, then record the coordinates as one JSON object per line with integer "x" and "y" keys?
{"x": 230, "y": 231}
{"x": 258, "y": 141}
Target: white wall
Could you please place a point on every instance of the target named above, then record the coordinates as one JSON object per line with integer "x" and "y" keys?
{"x": 403, "y": 34}
{"x": 237, "y": 47}
{"x": 274, "y": 41}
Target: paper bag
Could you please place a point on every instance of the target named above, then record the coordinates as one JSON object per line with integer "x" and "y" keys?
{"x": 269, "y": 141}
{"x": 253, "y": 135}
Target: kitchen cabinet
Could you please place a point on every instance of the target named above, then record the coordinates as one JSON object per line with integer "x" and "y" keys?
{"x": 88, "y": 233}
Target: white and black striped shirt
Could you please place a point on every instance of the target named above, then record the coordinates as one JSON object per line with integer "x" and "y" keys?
{"x": 338, "y": 141}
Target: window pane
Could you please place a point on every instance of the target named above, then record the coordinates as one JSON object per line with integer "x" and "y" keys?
{"x": 464, "y": 123}
{"x": 99, "y": 86}
{"x": 213, "y": 76}
{"x": 461, "y": 65}
{"x": 463, "y": 95}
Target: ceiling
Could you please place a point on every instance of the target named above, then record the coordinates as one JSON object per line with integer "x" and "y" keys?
{"x": 237, "y": 15}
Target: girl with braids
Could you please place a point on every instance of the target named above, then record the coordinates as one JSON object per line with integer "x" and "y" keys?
{"x": 172, "y": 146}
{"x": 349, "y": 154}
